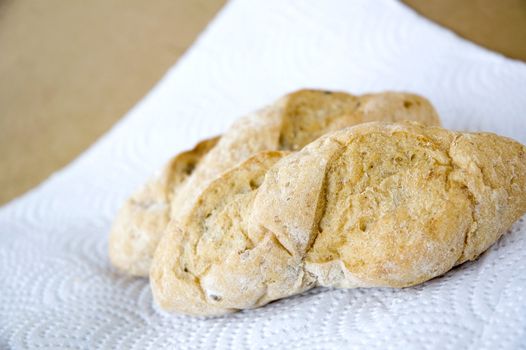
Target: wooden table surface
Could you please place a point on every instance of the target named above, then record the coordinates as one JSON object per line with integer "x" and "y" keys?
{"x": 70, "y": 69}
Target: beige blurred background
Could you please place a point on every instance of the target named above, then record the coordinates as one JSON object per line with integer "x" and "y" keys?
{"x": 70, "y": 69}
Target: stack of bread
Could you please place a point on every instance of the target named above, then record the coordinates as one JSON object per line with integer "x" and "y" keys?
{"x": 320, "y": 188}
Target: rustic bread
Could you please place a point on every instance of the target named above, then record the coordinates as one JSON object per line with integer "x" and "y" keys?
{"x": 378, "y": 204}
{"x": 289, "y": 124}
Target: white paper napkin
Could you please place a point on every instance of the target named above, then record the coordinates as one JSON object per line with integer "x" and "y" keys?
{"x": 58, "y": 291}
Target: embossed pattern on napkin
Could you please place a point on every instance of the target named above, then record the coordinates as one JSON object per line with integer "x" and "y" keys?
{"x": 57, "y": 289}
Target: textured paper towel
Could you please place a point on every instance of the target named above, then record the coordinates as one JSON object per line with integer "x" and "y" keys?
{"x": 57, "y": 289}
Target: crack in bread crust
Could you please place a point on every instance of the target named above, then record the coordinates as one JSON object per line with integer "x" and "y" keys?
{"x": 366, "y": 204}
{"x": 213, "y": 239}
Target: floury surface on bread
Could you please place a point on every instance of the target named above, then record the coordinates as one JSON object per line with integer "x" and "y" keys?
{"x": 287, "y": 125}
{"x": 212, "y": 249}
{"x": 378, "y": 204}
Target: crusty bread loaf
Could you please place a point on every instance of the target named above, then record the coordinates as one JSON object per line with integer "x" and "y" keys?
{"x": 289, "y": 124}
{"x": 378, "y": 204}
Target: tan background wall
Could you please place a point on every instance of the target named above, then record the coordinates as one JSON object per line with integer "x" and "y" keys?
{"x": 70, "y": 69}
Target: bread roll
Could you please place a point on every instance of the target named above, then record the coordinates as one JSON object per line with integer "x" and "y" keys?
{"x": 288, "y": 124}
{"x": 378, "y": 204}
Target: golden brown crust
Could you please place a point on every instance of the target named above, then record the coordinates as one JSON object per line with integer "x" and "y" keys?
{"x": 289, "y": 124}
{"x": 378, "y": 204}
{"x": 392, "y": 216}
